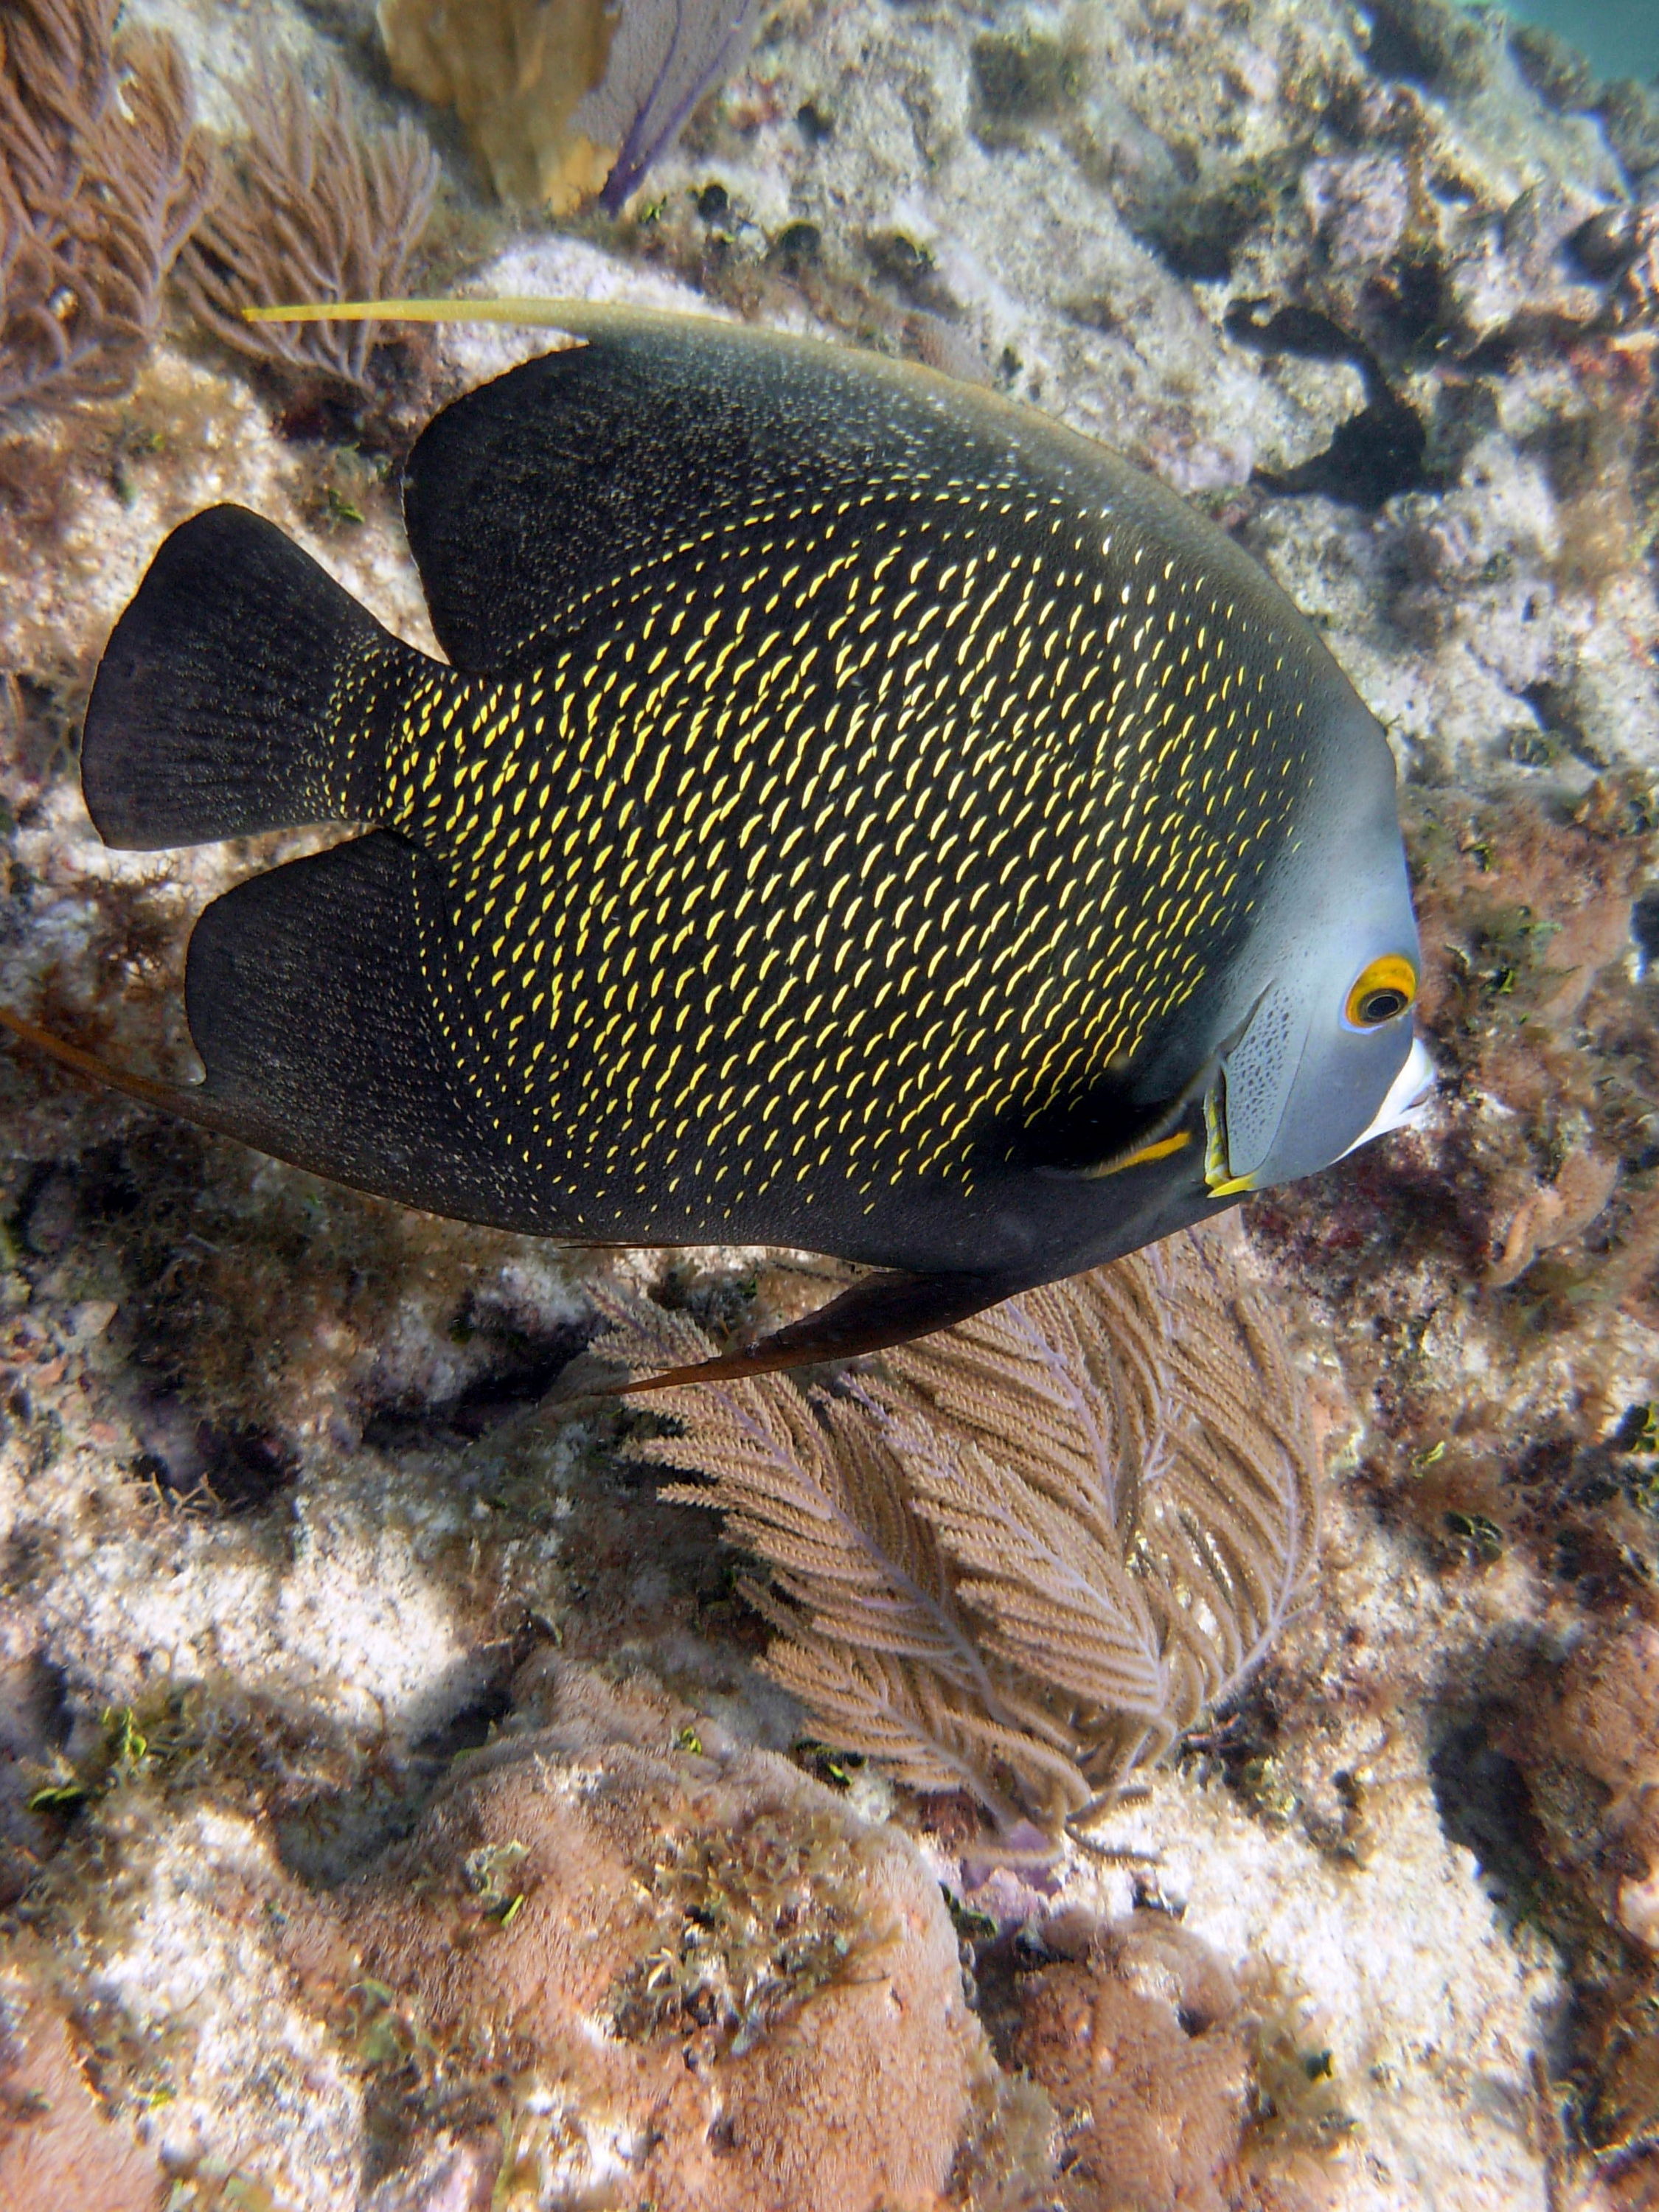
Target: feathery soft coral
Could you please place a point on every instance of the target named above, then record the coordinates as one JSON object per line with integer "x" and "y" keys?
{"x": 1021, "y": 1557}
{"x": 101, "y": 178}
{"x": 316, "y": 208}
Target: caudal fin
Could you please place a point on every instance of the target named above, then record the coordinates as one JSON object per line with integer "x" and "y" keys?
{"x": 243, "y": 689}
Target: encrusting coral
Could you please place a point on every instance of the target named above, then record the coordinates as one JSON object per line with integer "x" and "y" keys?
{"x": 1130, "y": 2031}
{"x": 703, "y": 1982}
{"x": 1592, "y": 1718}
{"x": 101, "y": 178}
{"x": 314, "y": 208}
{"x": 1024, "y": 1555}
{"x": 57, "y": 2147}
{"x": 1179, "y": 2084}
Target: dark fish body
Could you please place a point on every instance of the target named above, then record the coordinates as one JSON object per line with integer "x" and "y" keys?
{"x": 858, "y": 813}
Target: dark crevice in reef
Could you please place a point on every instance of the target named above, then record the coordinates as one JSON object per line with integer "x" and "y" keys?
{"x": 1426, "y": 42}
{"x": 1407, "y": 306}
{"x": 1559, "y": 721}
{"x": 1376, "y": 455}
{"x": 35, "y": 1719}
{"x": 1027, "y": 78}
{"x": 1198, "y": 234}
{"x": 227, "y": 1471}
{"x": 1484, "y": 1805}
{"x": 1645, "y": 925}
{"x": 521, "y": 1365}
{"x": 60, "y": 1198}
{"x": 330, "y": 1835}
{"x": 1196, "y": 211}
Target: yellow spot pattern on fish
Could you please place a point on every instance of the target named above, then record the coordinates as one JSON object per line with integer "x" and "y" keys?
{"x": 890, "y": 817}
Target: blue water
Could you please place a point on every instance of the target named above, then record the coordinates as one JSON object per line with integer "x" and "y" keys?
{"x": 1620, "y": 37}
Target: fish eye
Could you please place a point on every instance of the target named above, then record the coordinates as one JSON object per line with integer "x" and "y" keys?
{"x": 1381, "y": 991}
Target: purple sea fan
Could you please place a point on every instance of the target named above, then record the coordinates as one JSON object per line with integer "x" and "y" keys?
{"x": 665, "y": 55}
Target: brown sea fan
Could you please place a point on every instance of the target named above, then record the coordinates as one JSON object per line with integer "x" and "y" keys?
{"x": 1023, "y": 1556}
{"x": 316, "y": 209}
{"x": 102, "y": 177}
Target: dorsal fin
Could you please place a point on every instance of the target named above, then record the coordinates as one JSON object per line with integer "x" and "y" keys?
{"x": 530, "y": 498}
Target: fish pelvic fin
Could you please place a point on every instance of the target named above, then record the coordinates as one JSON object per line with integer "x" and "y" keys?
{"x": 243, "y": 689}
{"x": 882, "y": 1310}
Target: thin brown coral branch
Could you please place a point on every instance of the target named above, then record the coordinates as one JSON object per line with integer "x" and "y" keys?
{"x": 809, "y": 1490}
{"x": 1233, "y": 1514}
{"x": 102, "y": 177}
{"x": 316, "y": 209}
{"x": 1054, "y": 1599}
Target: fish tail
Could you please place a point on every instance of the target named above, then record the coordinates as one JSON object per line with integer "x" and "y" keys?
{"x": 243, "y": 689}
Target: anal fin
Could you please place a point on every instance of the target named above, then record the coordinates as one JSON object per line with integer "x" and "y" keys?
{"x": 313, "y": 996}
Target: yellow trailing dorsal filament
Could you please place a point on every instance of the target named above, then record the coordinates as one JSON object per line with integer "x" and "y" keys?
{"x": 531, "y": 313}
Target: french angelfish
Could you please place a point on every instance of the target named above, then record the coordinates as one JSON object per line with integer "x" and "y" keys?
{"x": 857, "y": 814}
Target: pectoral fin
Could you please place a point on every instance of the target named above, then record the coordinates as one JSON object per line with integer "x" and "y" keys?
{"x": 881, "y": 1310}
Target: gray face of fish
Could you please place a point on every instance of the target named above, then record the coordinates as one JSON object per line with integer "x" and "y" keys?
{"x": 1326, "y": 1058}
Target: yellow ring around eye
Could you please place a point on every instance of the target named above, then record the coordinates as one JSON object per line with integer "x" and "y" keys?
{"x": 1381, "y": 992}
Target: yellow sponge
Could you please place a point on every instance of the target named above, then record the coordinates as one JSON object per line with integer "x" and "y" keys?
{"x": 514, "y": 71}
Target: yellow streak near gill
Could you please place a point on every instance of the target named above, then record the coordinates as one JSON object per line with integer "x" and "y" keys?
{"x": 1019, "y": 792}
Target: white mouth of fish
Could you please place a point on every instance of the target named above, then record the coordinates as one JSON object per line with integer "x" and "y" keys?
{"x": 1408, "y": 1097}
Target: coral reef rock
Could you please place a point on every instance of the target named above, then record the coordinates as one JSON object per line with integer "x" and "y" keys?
{"x": 1132, "y": 2037}
{"x": 709, "y": 1985}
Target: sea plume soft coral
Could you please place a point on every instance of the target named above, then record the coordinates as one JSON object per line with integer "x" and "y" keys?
{"x": 1023, "y": 1557}
{"x": 102, "y": 177}
{"x": 315, "y": 209}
